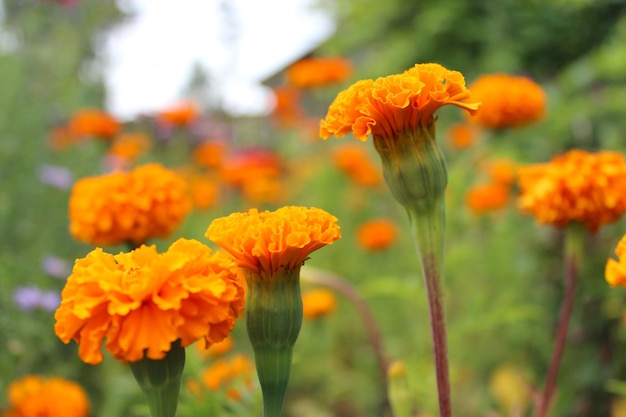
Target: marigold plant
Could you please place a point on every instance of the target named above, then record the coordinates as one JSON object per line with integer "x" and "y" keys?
{"x": 483, "y": 198}
{"x": 148, "y": 202}
{"x": 143, "y": 301}
{"x": 377, "y": 234}
{"x": 38, "y": 396}
{"x": 318, "y": 72}
{"x": 231, "y": 375}
{"x": 508, "y": 101}
{"x": 264, "y": 242}
{"x": 395, "y": 103}
{"x": 577, "y": 186}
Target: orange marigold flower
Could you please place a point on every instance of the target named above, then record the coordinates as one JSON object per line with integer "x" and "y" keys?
{"x": 317, "y": 303}
{"x": 209, "y": 154}
{"x": 92, "y": 122}
{"x": 148, "y": 202}
{"x": 377, "y": 234}
{"x": 615, "y": 272}
{"x": 264, "y": 242}
{"x": 580, "y": 186}
{"x": 396, "y": 103}
{"x": 129, "y": 146}
{"x": 502, "y": 171}
{"x": 181, "y": 114}
{"x": 216, "y": 349}
{"x": 487, "y": 197}
{"x": 229, "y": 374}
{"x": 508, "y": 101}
{"x": 37, "y": 396}
{"x": 142, "y": 301}
{"x": 462, "y": 135}
{"x": 287, "y": 109}
{"x": 354, "y": 161}
{"x": 318, "y": 72}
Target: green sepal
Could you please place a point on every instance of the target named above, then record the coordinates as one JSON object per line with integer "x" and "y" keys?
{"x": 160, "y": 380}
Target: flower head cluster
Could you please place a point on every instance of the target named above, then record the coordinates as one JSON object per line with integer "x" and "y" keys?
{"x": 265, "y": 242}
{"x": 142, "y": 301}
{"x": 508, "y": 101}
{"x": 318, "y": 72}
{"x": 576, "y": 186}
{"x": 37, "y": 396}
{"x": 615, "y": 271}
{"x": 148, "y": 202}
{"x": 396, "y": 103}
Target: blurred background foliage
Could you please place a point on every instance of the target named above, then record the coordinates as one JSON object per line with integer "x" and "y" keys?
{"x": 504, "y": 272}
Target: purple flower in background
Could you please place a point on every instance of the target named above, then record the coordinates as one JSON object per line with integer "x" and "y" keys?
{"x": 32, "y": 297}
{"x": 58, "y": 177}
{"x": 56, "y": 267}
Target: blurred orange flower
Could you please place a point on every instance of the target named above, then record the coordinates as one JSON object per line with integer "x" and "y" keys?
{"x": 204, "y": 190}
{"x": 508, "y": 101}
{"x": 318, "y": 72}
{"x": 216, "y": 349}
{"x": 143, "y": 301}
{"x": 148, "y": 202}
{"x": 256, "y": 173}
{"x": 487, "y": 197}
{"x": 93, "y": 122}
{"x": 377, "y": 234}
{"x": 230, "y": 374}
{"x": 396, "y": 103}
{"x": 502, "y": 171}
{"x": 181, "y": 114}
{"x": 287, "y": 110}
{"x": 38, "y": 396}
{"x": 354, "y": 161}
{"x": 317, "y": 303}
{"x": 209, "y": 154}
{"x": 265, "y": 242}
{"x": 462, "y": 135}
{"x": 577, "y": 186}
{"x": 129, "y": 146}
{"x": 615, "y": 272}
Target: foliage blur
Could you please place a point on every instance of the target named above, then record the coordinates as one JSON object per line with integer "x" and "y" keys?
{"x": 503, "y": 271}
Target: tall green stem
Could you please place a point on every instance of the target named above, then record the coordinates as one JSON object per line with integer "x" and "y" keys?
{"x": 428, "y": 229}
{"x": 273, "y": 321}
{"x": 573, "y": 253}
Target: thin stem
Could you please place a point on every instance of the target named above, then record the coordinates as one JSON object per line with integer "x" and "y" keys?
{"x": 428, "y": 227}
{"x": 574, "y": 238}
{"x": 316, "y": 276}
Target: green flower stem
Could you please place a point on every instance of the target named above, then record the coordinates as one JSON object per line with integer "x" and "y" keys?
{"x": 428, "y": 229}
{"x": 160, "y": 380}
{"x": 273, "y": 321}
{"x": 343, "y": 287}
{"x": 416, "y": 173}
{"x": 575, "y": 234}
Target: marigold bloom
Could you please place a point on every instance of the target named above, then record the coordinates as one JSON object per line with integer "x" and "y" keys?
{"x": 577, "y": 186}
{"x": 487, "y": 197}
{"x": 508, "y": 101}
{"x": 216, "y": 349}
{"x": 37, "y": 396}
{"x": 317, "y": 303}
{"x": 230, "y": 375}
{"x": 354, "y": 161}
{"x": 93, "y": 122}
{"x": 396, "y": 103}
{"x": 377, "y": 234}
{"x": 264, "y": 242}
{"x": 615, "y": 272}
{"x": 209, "y": 154}
{"x": 181, "y": 114}
{"x": 148, "y": 202}
{"x": 129, "y": 146}
{"x": 204, "y": 190}
{"x": 462, "y": 135}
{"x": 318, "y": 72}
{"x": 287, "y": 110}
{"x": 143, "y": 301}
{"x": 502, "y": 171}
